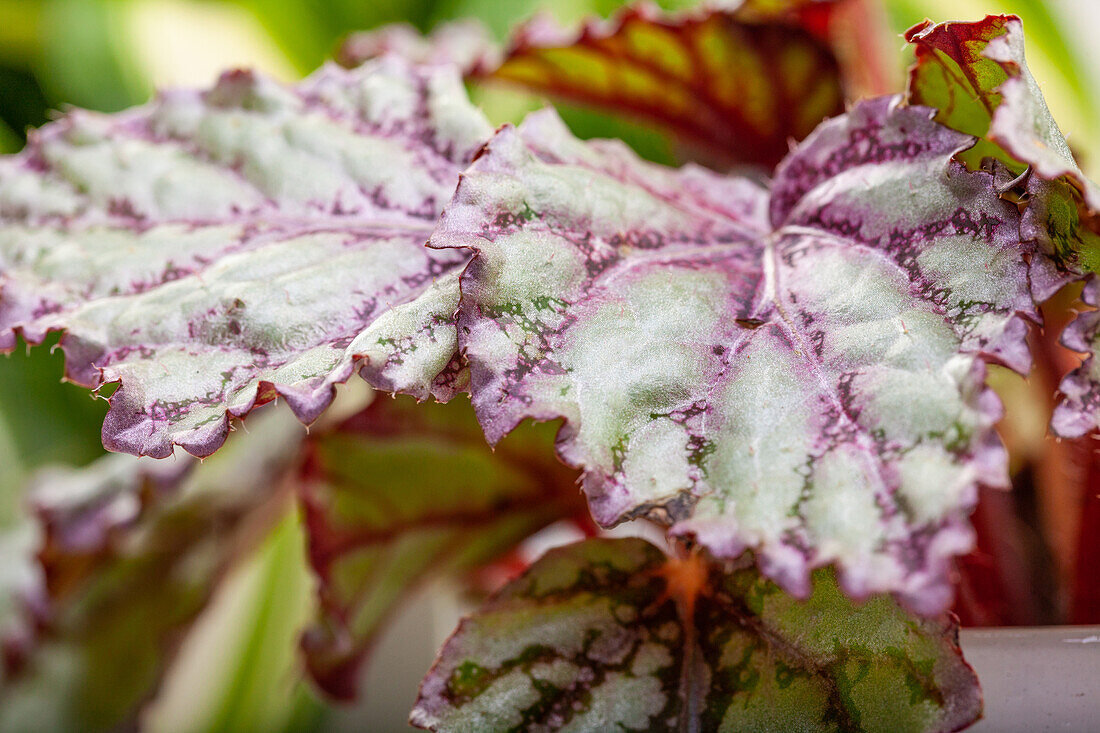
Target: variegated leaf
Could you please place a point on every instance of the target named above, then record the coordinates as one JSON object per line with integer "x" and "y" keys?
{"x": 614, "y": 635}
{"x": 976, "y": 74}
{"x": 800, "y": 373}
{"x": 466, "y": 44}
{"x": 131, "y": 552}
{"x": 213, "y": 250}
{"x": 402, "y": 492}
{"x": 737, "y": 85}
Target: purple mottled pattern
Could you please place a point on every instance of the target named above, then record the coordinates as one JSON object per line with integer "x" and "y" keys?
{"x": 799, "y": 373}
{"x": 976, "y": 74}
{"x": 214, "y": 250}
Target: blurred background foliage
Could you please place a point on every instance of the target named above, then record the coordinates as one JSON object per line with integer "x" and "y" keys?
{"x": 238, "y": 670}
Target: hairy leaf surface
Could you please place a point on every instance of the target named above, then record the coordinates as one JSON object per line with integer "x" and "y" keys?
{"x": 402, "y": 492}
{"x": 799, "y": 373}
{"x": 976, "y": 74}
{"x": 738, "y": 85}
{"x": 132, "y": 550}
{"x": 614, "y": 635}
{"x": 213, "y": 250}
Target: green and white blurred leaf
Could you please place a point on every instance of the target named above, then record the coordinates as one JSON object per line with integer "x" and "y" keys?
{"x": 131, "y": 552}
{"x": 310, "y": 32}
{"x": 240, "y": 669}
{"x": 401, "y": 493}
{"x": 614, "y": 635}
{"x": 20, "y": 577}
{"x": 181, "y": 43}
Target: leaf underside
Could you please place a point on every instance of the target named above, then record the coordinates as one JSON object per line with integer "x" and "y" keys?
{"x": 613, "y": 635}
{"x": 404, "y": 492}
{"x": 737, "y": 86}
{"x": 797, "y": 372}
{"x": 214, "y": 250}
{"x": 976, "y": 76}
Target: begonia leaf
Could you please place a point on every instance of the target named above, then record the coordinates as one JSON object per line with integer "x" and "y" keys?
{"x": 799, "y": 372}
{"x": 131, "y": 553}
{"x": 736, "y": 85}
{"x": 402, "y": 492}
{"x": 213, "y": 250}
{"x": 466, "y": 44}
{"x": 977, "y": 76}
{"x": 615, "y": 635}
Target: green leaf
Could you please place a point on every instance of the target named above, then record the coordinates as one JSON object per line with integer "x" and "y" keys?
{"x": 9, "y": 141}
{"x": 41, "y": 422}
{"x": 403, "y": 492}
{"x": 1056, "y": 53}
{"x": 614, "y": 635}
{"x": 81, "y": 54}
{"x": 214, "y": 250}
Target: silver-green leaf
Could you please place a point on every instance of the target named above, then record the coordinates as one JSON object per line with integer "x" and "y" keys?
{"x": 213, "y": 250}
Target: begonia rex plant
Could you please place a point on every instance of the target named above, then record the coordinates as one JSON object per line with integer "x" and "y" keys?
{"x": 776, "y": 353}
